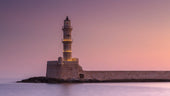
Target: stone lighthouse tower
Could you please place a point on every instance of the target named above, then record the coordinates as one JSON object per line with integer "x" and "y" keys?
{"x": 67, "y": 53}
{"x": 66, "y": 67}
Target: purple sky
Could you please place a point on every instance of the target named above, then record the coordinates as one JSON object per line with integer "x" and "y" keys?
{"x": 107, "y": 34}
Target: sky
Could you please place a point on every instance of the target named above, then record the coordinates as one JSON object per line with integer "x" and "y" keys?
{"x": 107, "y": 34}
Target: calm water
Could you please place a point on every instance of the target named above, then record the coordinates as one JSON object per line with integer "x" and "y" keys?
{"x": 85, "y": 89}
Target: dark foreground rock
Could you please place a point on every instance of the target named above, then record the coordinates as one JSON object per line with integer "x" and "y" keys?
{"x": 53, "y": 80}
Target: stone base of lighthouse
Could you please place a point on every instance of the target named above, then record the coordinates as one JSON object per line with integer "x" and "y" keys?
{"x": 69, "y": 70}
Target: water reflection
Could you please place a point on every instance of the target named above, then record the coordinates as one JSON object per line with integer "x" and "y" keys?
{"x": 113, "y": 89}
{"x": 65, "y": 89}
{"x": 85, "y": 89}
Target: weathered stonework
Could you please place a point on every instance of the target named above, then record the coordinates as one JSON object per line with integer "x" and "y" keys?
{"x": 67, "y": 71}
{"x": 120, "y": 75}
{"x": 63, "y": 71}
{"x": 74, "y": 72}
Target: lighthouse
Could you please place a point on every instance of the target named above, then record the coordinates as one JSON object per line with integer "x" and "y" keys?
{"x": 66, "y": 67}
{"x": 67, "y": 40}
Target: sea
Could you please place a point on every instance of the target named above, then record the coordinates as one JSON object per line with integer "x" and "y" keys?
{"x": 10, "y": 88}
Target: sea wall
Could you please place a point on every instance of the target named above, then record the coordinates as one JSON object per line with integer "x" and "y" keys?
{"x": 74, "y": 72}
{"x": 119, "y": 75}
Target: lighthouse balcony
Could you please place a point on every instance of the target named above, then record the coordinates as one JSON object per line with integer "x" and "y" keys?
{"x": 67, "y": 51}
{"x": 71, "y": 61}
{"x": 67, "y": 40}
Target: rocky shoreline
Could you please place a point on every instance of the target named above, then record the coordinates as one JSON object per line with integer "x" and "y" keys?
{"x": 53, "y": 80}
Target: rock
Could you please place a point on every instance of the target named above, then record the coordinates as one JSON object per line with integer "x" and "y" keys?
{"x": 53, "y": 80}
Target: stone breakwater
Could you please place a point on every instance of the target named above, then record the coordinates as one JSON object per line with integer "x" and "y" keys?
{"x": 127, "y": 75}
{"x": 74, "y": 71}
